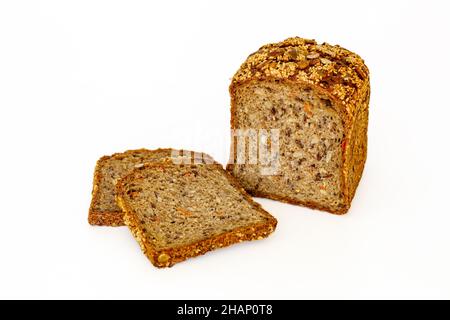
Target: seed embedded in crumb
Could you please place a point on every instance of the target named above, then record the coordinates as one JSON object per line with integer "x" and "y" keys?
{"x": 308, "y": 109}
{"x": 185, "y": 212}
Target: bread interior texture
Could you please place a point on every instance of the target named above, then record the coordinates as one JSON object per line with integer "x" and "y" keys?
{"x": 182, "y": 205}
{"x": 310, "y": 142}
{"x": 116, "y": 167}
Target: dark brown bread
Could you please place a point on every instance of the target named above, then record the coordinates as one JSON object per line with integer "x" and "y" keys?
{"x": 103, "y": 210}
{"x": 180, "y": 211}
{"x": 317, "y": 95}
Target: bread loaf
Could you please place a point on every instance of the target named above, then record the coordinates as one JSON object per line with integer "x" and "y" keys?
{"x": 316, "y": 98}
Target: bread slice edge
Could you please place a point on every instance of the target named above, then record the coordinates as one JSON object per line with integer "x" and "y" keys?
{"x": 97, "y": 217}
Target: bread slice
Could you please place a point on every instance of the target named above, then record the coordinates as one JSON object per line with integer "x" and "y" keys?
{"x": 180, "y": 211}
{"x": 103, "y": 210}
{"x": 316, "y": 98}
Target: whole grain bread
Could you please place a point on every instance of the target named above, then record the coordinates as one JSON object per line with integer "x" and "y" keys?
{"x": 181, "y": 211}
{"x": 103, "y": 210}
{"x": 317, "y": 96}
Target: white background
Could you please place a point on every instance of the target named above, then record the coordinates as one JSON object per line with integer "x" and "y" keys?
{"x": 81, "y": 79}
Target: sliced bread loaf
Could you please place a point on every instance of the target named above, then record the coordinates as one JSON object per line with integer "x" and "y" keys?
{"x": 103, "y": 210}
{"x": 180, "y": 211}
{"x": 315, "y": 97}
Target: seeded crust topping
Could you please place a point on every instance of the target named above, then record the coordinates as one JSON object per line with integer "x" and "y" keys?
{"x": 336, "y": 70}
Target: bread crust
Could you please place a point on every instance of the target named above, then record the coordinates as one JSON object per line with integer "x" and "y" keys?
{"x": 96, "y": 217}
{"x": 180, "y": 253}
{"x": 333, "y": 71}
{"x": 114, "y": 218}
{"x": 106, "y": 218}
